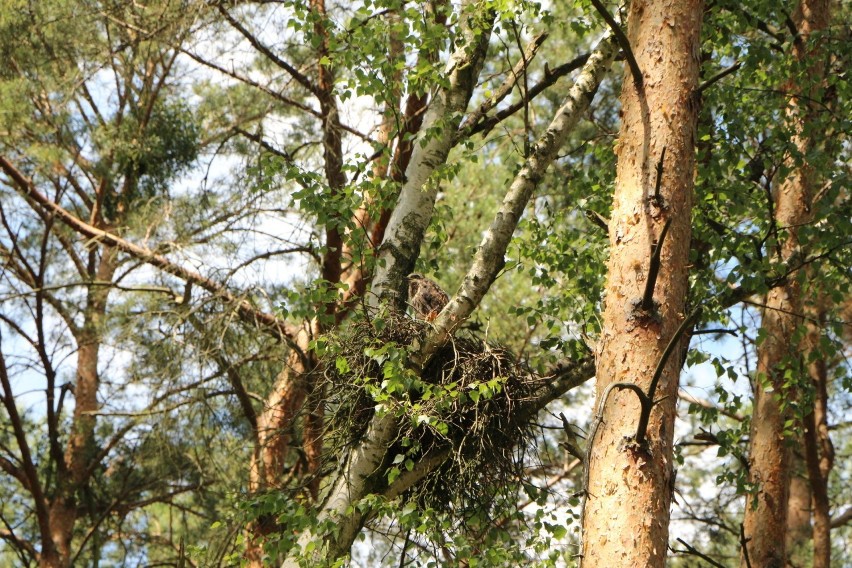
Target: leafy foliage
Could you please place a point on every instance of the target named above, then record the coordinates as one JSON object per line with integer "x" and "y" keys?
{"x": 200, "y": 131}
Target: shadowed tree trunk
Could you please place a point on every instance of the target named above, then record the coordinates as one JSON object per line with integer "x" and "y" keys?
{"x": 765, "y": 521}
{"x": 626, "y": 515}
{"x": 819, "y": 451}
{"x": 799, "y": 530}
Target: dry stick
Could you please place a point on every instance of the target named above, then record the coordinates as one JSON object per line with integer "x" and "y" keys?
{"x": 647, "y": 303}
{"x": 652, "y": 388}
{"x": 622, "y": 41}
{"x": 692, "y": 550}
{"x": 717, "y": 331}
{"x": 743, "y": 545}
{"x": 717, "y": 77}
{"x": 659, "y": 176}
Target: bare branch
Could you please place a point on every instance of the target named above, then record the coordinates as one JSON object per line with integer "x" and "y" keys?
{"x": 248, "y": 312}
{"x": 484, "y": 125}
{"x": 27, "y": 463}
{"x": 718, "y": 77}
{"x": 842, "y": 519}
{"x": 692, "y": 550}
{"x": 489, "y": 257}
{"x": 300, "y": 78}
{"x": 506, "y": 87}
{"x": 647, "y": 303}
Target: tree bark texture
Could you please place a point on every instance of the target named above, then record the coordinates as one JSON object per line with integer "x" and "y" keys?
{"x": 765, "y": 520}
{"x": 626, "y": 516}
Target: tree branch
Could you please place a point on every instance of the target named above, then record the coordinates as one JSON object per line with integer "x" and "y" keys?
{"x": 842, "y": 519}
{"x": 718, "y": 77}
{"x": 248, "y": 313}
{"x": 489, "y": 257}
{"x": 505, "y": 88}
{"x": 692, "y": 550}
{"x": 486, "y": 124}
{"x": 10, "y": 468}
{"x": 22, "y": 546}
{"x": 300, "y": 78}
{"x": 274, "y": 94}
{"x": 647, "y": 303}
{"x": 622, "y": 41}
{"x": 28, "y": 466}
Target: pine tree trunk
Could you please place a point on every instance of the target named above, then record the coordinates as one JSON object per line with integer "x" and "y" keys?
{"x": 81, "y": 447}
{"x": 765, "y": 520}
{"x": 799, "y": 530}
{"x": 626, "y": 515}
{"x": 819, "y": 451}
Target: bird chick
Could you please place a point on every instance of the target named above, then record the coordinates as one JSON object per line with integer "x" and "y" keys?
{"x": 426, "y": 298}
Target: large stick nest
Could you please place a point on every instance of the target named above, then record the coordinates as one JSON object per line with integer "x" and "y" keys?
{"x": 464, "y": 402}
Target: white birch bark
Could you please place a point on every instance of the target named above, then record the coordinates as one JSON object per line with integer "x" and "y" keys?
{"x": 489, "y": 257}
{"x": 414, "y": 208}
{"x": 401, "y": 247}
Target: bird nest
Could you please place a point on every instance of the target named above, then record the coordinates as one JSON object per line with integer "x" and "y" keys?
{"x": 464, "y": 405}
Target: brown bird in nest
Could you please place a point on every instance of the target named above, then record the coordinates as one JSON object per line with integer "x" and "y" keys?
{"x": 426, "y": 297}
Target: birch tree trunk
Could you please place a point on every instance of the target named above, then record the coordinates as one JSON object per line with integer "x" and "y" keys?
{"x": 404, "y": 234}
{"x": 765, "y": 521}
{"x": 416, "y": 203}
{"x": 358, "y": 476}
{"x": 626, "y": 516}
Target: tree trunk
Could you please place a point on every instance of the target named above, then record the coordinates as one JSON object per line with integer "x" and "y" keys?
{"x": 81, "y": 447}
{"x": 765, "y": 521}
{"x": 819, "y": 451}
{"x": 272, "y": 446}
{"x": 405, "y": 231}
{"x": 415, "y": 206}
{"x": 626, "y": 514}
{"x": 799, "y": 530}
{"x": 356, "y": 477}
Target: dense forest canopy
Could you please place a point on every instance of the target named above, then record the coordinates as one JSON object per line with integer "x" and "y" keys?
{"x": 389, "y": 283}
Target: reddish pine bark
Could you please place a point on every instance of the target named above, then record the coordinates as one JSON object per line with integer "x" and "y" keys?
{"x": 765, "y": 520}
{"x": 626, "y": 515}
